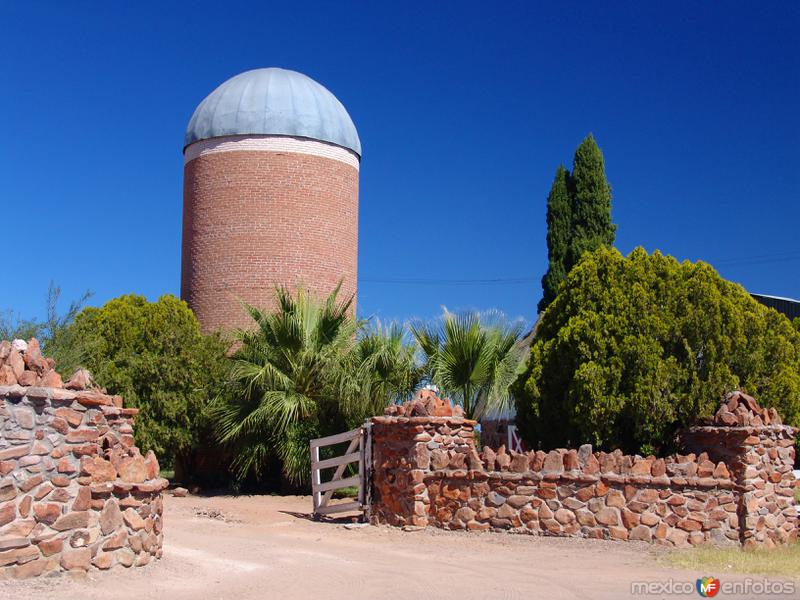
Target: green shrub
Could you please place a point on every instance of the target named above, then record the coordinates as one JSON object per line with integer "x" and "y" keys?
{"x": 633, "y": 348}
{"x": 154, "y": 355}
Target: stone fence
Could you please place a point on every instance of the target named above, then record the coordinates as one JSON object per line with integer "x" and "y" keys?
{"x": 736, "y": 485}
{"x": 75, "y": 492}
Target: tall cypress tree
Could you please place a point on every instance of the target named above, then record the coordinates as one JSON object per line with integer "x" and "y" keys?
{"x": 591, "y": 203}
{"x": 559, "y": 228}
{"x": 578, "y": 216}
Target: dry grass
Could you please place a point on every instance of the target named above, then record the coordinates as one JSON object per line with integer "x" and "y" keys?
{"x": 784, "y": 561}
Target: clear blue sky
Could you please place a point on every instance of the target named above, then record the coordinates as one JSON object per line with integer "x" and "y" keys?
{"x": 464, "y": 112}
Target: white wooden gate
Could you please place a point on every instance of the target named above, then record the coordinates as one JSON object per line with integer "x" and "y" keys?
{"x": 359, "y": 450}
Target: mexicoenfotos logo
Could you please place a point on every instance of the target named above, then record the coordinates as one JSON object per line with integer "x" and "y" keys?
{"x": 708, "y": 587}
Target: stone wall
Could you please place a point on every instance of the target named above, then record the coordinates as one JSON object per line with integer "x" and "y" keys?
{"x": 426, "y": 471}
{"x": 75, "y": 492}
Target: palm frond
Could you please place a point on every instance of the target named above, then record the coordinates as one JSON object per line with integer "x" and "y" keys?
{"x": 307, "y": 368}
{"x": 472, "y": 357}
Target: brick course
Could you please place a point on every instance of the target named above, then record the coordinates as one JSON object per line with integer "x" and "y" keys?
{"x": 253, "y": 219}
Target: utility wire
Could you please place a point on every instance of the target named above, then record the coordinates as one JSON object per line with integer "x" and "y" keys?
{"x": 418, "y": 281}
{"x": 758, "y": 259}
{"x": 775, "y": 254}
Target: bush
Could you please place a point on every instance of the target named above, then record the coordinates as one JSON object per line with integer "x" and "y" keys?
{"x": 634, "y": 348}
{"x": 154, "y": 355}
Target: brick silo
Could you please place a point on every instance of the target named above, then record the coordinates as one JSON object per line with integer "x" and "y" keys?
{"x": 271, "y": 162}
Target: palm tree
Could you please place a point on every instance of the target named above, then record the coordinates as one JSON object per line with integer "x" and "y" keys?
{"x": 472, "y": 357}
{"x": 382, "y": 369}
{"x": 308, "y": 369}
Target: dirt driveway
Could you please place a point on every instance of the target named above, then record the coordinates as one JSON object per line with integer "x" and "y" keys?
{"x": 263, "y": 547}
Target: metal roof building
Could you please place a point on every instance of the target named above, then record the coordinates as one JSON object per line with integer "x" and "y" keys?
{"x": 786, "y": 306}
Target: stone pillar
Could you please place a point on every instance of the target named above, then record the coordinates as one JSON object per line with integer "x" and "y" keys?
{"x": 760, "y": 452}
{"x": 75, "y": 492}
{"x": 767, "y": 487}
{"x": 408, "y": 443}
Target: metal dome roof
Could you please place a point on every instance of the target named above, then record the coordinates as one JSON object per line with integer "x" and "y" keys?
{"x": 273, "y": 102}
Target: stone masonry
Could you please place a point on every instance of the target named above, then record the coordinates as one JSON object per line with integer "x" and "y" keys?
{"x": 734, "y": 487}
{"x": 75, "y": 492}
{"x": 761, "y": 454}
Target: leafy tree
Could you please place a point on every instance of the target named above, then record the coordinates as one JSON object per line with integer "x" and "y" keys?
{"x": 472, "y": 358}
{"x": 591, "y": 202}
{"x": 308, "y": 369}
{"x": 578, "y": 216}
{"x": 154, "y": 355}
{"x": 53, "y": 333}
{"x": 633, "y": 348}
{"x": 559, "y": 233}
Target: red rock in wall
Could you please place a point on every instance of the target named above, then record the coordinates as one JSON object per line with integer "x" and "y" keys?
{"x": 61, "y": 489}
{"x": 738, "y": 488}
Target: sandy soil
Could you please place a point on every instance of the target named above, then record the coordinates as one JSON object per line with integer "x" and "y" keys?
{"x": 261, "y": 547}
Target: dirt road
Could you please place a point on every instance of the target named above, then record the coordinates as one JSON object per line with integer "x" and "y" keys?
{"x": 262, "y": 547}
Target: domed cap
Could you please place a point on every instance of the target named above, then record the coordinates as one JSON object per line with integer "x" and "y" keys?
{"x": 273, "y": 102}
